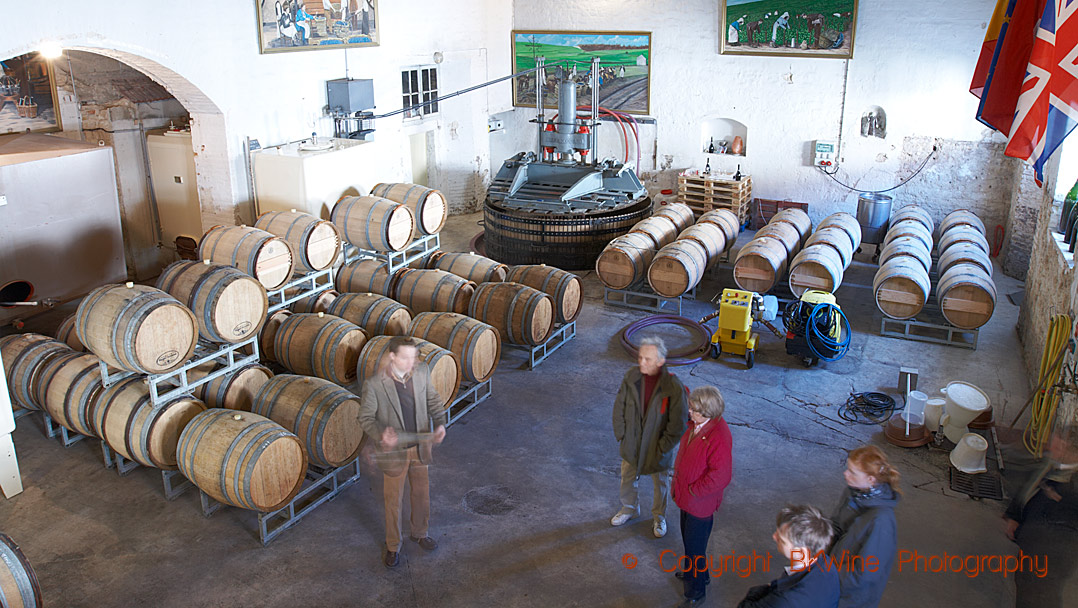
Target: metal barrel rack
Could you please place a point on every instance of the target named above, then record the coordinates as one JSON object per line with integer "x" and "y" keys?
{"x": 418, "y": 249}
{"x": 51, "y": 429}
{"x": 537, "y": 354}
{"x": 642, "y": 297}
{"x": 320, "y": 486}
{"x": 929, "y": 325}
{"x": 304, "y": 286}
{"x": 470, "y": 395}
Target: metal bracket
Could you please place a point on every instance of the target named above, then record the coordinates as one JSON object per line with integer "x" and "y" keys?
{"x": 537, "y": 354}
{"x": 53, "y": 429}
{"x": 919, "y": 331}
{"x": 305, "y": 286}
{"x": 467, "y": 399}
{"x": 420, "y": 248}
{"x": 641, "y": 297}
{"x": 174, "y": 491}
{"x": 113, "y": 459}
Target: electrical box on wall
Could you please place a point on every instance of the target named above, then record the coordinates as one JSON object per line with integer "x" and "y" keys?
{"x": 824, "y": 153}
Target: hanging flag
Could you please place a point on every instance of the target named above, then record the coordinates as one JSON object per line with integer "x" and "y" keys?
{"x": 1003, "y": 83}
{"x": 992, "y": 37}
{"x": 1047, "y": 108}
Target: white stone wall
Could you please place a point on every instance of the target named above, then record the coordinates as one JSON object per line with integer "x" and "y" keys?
{"x": 914, "y": 59}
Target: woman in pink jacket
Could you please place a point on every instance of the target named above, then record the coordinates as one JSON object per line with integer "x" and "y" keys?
{"x": 701, "y": 472}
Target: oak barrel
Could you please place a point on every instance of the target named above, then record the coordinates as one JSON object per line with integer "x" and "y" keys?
{"x": 916, "y": 213}
{"x": 229, "y": 305}
{"x": 323, "y": 415}
{"x": 901, "y": 287}
{"x": 23, "y": 356}
{"x": 315, "y": 243}
{"x": 242, "y": 459}
{"x": 677, "y": 268}
{"x": 709, "y": 236}
{"x": 964, "y": 253}
{"x": 796, "y": 218}
{"x": 319, "y": 345}
{"x": 563, "y": 286}
{"x": 725, "y": 219}
{"x": 836, "y": 238}
{"x": 966, "y": 295}
{"x": 433, "y": 291}
{"x": 319, "y": 302}
{"x": 476, "y": 345}
{"x": 962, "y": 217}
{"x": 475, "y": 268}
{"x": 847, "y": 222}
{"x": 785, "y": 234}
{"x": 662, "y": 230}
{"x": 268, "y": 334}
{"x": 69, "y": 386}
{"x": 235, "y": 390}
{"x": 625, "y": 260}
{"x": 445, "y": 370}
{"x": 521, "y": 315}
{"x": 137, "y": 328}
{"x": 374, "y": 223}
{"x": 368, "y": 276}
{"x": 816, "y": 267}
{"x": 680, "y": 213}
{"x": 258, "y": 253}
{"x": 377, "y": 315}
{"x": 427, "y": 205}
{"x": 760, "y": 264}
{"x": 962, "y": 233}
{"x": 126, "y": 418}
{"x": 65, "y": 333}
{"x": 19, "y": 587}
{"x": 908, "y": 229}
{"x": 908, "y": 246}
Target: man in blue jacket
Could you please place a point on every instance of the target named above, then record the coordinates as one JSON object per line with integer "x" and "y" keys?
{"x": 802, "y": 534}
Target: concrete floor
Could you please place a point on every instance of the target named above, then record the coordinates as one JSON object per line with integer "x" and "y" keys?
{"x": 524, "y": 486}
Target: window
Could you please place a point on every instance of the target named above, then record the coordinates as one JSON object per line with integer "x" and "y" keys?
{"x": 420, "y": 85}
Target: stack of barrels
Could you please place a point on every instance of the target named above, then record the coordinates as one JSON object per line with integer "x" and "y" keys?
{"x": 669, "y": 249}
{"x": 966, "y": 292}
{"x": 902, "y": 285}
{"x": 389, "y": 217}
{"x": 827, "y": 254}
{"x": 762, "y": 262}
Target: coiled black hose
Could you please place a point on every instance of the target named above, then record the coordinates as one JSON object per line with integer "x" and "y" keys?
{"x": 683, "y": 356}
{"x": 867, "y": 408}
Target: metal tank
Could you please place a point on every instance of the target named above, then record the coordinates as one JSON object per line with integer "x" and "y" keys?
{"x": 873, "y": 213}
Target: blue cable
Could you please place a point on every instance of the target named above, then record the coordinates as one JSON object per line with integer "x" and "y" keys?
{"x": 841, "y": 346}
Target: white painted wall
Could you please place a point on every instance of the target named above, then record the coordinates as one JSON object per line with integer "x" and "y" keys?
{"x": 914, "y": 59}
{"x": 273, "y": 98}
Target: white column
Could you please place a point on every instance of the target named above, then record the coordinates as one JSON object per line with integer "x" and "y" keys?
{"x": 10, "y": 480}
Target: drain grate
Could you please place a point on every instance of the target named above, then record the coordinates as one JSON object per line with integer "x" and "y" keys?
{"x": 981, "y": 485}
{"x": 490, "y": 500}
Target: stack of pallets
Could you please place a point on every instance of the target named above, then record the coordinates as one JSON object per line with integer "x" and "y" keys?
{"x": 703, "y": 193}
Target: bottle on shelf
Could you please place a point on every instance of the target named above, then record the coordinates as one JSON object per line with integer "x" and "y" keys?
{"x": 737, "y": 176}
{"x": 711, "y": 146}
{"x": 707, "y": 167}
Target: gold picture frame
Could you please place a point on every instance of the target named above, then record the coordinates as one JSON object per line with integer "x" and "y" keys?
{"x": 312, "y": 25}
{"x": 823, "y": 28}
{"x": 28, "y": 99}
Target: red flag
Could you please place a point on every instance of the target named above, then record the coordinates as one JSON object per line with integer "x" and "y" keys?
{"x": 1005, "y": 75}
{"x": 1000, "y": 17}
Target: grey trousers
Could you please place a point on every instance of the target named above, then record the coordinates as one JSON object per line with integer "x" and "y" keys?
{"x": 630, "y": 480}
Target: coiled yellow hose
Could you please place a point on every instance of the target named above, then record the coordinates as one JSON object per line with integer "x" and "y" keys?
{"x": 1045, "y": 402}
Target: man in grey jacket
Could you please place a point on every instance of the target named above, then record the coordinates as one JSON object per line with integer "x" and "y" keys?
{"x": 649, "y": 419}
{"x": 400, "y": 405}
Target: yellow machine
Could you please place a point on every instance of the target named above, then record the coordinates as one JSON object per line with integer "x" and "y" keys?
{"x": 738, "y": 310}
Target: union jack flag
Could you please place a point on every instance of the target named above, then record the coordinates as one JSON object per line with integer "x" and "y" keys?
{"x": 1047, "y": 109}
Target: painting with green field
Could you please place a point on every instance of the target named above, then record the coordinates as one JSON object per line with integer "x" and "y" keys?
{"x": 624, "y": 67}
{"x": 791, "y": 28}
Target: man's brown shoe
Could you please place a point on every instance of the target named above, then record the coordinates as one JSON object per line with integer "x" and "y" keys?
{"x": 426, "y": 542}
{"x": 392, "y": 559}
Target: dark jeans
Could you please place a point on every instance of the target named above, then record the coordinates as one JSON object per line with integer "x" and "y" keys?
{"x": 695, "y": 533}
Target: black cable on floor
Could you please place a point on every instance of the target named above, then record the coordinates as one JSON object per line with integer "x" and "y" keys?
{"x": 867, "y": 408}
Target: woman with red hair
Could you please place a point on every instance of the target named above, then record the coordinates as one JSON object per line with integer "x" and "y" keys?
{"x": 867, "y": 535}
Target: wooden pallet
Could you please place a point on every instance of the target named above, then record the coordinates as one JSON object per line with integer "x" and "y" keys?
{"x": 703, "y": 193}
{"x": 701, "y": 207}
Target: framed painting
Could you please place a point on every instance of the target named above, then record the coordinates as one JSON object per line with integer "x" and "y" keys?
{"x": 304, "y": 25}
{"x": 624, "y": 68}
{"x": 799, "y": 28}
{"x": 28, "y": 95}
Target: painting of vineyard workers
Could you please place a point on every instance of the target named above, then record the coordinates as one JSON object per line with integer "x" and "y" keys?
{"x": 798, "y": 28}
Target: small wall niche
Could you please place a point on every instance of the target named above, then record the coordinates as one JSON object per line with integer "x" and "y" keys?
{"x": 721, "y": 132}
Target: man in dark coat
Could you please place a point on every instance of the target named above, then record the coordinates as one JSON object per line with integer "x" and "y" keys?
{"x": 802, "y": 535}
{"x": 649, "y": 420}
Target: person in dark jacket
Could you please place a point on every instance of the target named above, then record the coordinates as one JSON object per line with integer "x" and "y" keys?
{"x": 867, "y": 542}
{"x": 703, "y": 469}
{"x": 802, "y": 534}
{"x": 649, "y": 418}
